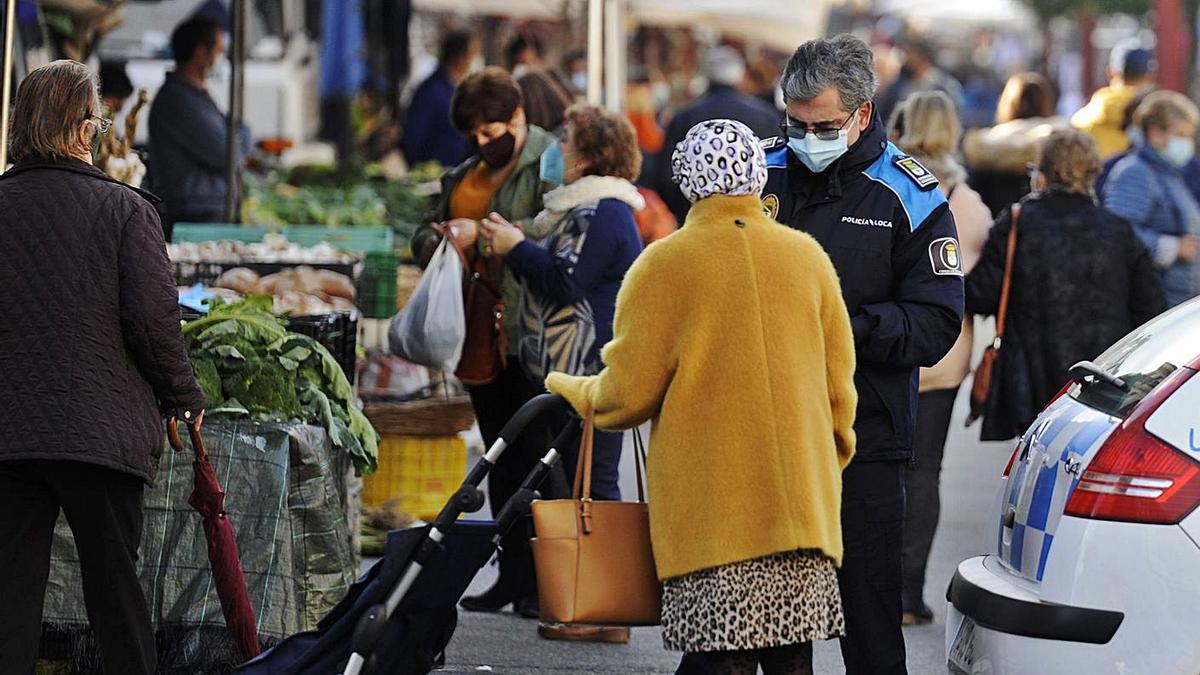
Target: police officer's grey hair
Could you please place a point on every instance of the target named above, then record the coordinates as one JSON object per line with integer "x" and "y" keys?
{"x": 844, "y": 61}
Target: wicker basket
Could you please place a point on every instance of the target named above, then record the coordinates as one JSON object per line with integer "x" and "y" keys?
{"x": 426, "y": 417}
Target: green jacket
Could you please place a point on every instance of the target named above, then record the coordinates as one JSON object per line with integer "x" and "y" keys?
{"x": 519, "y": 198}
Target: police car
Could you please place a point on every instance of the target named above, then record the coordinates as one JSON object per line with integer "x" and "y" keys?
{"x": 1095, "y": 565}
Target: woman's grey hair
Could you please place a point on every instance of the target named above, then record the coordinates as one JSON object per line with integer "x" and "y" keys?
{"x": 51, "y": 103}
{"x": 844, "y": 61}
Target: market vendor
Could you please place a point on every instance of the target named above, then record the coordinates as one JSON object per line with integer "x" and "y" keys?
{"x": 188, "y": 132}
{"x": 506, "y": 175}
{"x": 93, "y": 358}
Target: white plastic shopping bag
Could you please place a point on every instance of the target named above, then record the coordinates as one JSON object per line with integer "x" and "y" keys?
{"x": 431, "y": 328}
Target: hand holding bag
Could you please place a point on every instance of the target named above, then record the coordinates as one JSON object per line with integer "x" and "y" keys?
{"x": 594, "y": 561}
{"x": 981, "y": 387}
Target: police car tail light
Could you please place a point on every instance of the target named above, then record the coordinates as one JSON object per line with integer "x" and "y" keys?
{"x": 1136, "y": 476}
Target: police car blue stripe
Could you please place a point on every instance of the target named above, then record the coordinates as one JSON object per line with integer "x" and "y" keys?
{"x": 1043, "y": 492}
{"x": 1045, "y": 555}
{"x": 1018, "y": 542}
{"x": 777, "y": 157}
{"x": 1084, "y": 440}
{"x": 918, "y": 204}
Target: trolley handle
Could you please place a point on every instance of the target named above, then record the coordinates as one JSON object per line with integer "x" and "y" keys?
{"x": 534, "y": 408}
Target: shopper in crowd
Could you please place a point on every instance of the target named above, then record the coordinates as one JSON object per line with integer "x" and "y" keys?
{"x": 570, "y": 260}
{"x": 115, "y": 88}
{"x": 546, "y": 101}
{"x": 93, "y": 358}
{"x": 429, "y": 135}
{"x": 918, "y": 72}
{"x": 1132, "y": 123}
{"x": 1148, "y": 189}
{"x": 1131, "y": 70}
{"x": 890, "y": 234}
{"x": 575, "y": 66}
{"x": 998, "y": 158}
{"x": 1081, "y": 279}
{"x": 524, "y": 52}
{"x": 926, "y": 126}
{"x": 188, "y": 132}
{"x": 505, "y": 176}
{"x": 744, "y": 506}
{"x": 725, "y": 69}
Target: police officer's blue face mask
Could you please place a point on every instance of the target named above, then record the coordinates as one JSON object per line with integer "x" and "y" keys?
{"x": 818, "y": 149}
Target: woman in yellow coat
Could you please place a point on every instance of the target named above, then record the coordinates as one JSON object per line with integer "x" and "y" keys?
{"x": 732, "y": 336}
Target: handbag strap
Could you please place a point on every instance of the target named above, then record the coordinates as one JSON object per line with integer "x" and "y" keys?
{"x": 1006, "y": 284}
{"x": 582, "y": 489}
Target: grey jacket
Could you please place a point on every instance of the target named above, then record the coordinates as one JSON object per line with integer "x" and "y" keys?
{"x": 187, "y": 151}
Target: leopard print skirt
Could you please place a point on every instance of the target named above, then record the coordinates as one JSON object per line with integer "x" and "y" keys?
{"x": 773, "y": 601}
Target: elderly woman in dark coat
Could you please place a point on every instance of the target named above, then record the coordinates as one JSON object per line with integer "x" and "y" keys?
{"x": 92, "y": 359}
{"x": 1081, "y": 280}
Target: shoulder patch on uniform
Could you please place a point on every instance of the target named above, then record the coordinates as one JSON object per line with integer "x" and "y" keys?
{"x": 945, "y": 258}
{"x": 776, "y": 149}
{"x": 772, "y": 143}
{"x": 918, "y": 202}
{"x": 915, "y": 170}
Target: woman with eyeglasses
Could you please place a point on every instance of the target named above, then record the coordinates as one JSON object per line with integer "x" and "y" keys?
{"x": 93, "y": 359}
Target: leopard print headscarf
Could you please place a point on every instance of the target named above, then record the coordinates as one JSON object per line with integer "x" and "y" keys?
{"x": 719, "y": 157}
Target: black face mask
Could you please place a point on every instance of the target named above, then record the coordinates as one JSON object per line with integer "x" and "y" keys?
{"x": 499, "y": 152}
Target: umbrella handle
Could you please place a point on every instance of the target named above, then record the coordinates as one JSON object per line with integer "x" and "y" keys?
{"x": 197, "y": 441}
{"x": 193, "y": 432}
{"x": 173, "y": 434}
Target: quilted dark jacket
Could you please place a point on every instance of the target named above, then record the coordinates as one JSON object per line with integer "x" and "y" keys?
{"x": 1081, "y": 280}
{"x": 90, "y": 348}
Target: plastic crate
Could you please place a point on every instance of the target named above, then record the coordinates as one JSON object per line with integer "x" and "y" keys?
{"x": 190, "y": 273}
{"x": 353, "y": 239}
{"x": 420, "y": 472}
{"x": 337, "y": 332}
{"x": 378, "y": 283}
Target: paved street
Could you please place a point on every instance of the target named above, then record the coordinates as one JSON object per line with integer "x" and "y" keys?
{"x": 506, "y": 644}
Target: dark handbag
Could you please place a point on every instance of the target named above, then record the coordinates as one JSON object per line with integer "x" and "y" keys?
{"x": 981, "y": 387}
{"x": 485, "y": 349}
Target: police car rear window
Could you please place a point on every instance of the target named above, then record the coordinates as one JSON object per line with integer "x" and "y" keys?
{"x": 1143, "y": 359}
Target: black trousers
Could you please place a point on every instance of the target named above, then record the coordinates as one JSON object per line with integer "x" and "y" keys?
{"x": 104, "y": 510}
{"x": 494, "y": 405}
{"x": 922, "y": 486}
{"x": 872, "y": 534}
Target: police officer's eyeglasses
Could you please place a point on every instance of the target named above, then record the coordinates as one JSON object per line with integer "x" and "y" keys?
{"x": 104, "y": 124}
{"x": 825, "y": 134}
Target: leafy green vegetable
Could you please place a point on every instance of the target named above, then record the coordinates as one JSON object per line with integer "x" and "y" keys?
{"x": 248, "y": 363}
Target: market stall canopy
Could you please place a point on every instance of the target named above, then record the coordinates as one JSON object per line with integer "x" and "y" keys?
{"x": 931, "y": 14}
{"x": 783, "y": 25}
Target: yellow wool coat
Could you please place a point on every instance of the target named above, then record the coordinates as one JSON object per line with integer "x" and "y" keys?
{"x": 732, "y": 336}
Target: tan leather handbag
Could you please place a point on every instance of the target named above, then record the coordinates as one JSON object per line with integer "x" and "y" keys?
{"x": 981, "y": 387}
{"x": 594, "y": 562}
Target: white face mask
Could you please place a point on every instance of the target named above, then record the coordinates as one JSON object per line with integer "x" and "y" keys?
{"x": 817, "y": 154}
{"x": 580, "y": 80}
{"x": 220, "y": 72}
{"x": 477, "y": 64}
{"x": 661, "y": 92}
{"x": 1179, "y": 151}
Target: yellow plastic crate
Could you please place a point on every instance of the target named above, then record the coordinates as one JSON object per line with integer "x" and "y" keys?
{"x": 421, "y": 472}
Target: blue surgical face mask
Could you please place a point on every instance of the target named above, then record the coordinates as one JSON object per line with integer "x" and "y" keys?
{"x": 551, "y": 169}
{"x": 1179, "y": 151}
{"x": 817, "y": 154}
{"x": 580, "y": 80}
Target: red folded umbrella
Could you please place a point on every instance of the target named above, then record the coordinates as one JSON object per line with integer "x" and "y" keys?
{"x": 209, "y": 499}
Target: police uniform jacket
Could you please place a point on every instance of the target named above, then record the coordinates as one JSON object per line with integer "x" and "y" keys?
{"x": 879, "y": 215}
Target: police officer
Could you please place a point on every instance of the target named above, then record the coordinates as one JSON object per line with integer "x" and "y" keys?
{"x": 888, "y": 229}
